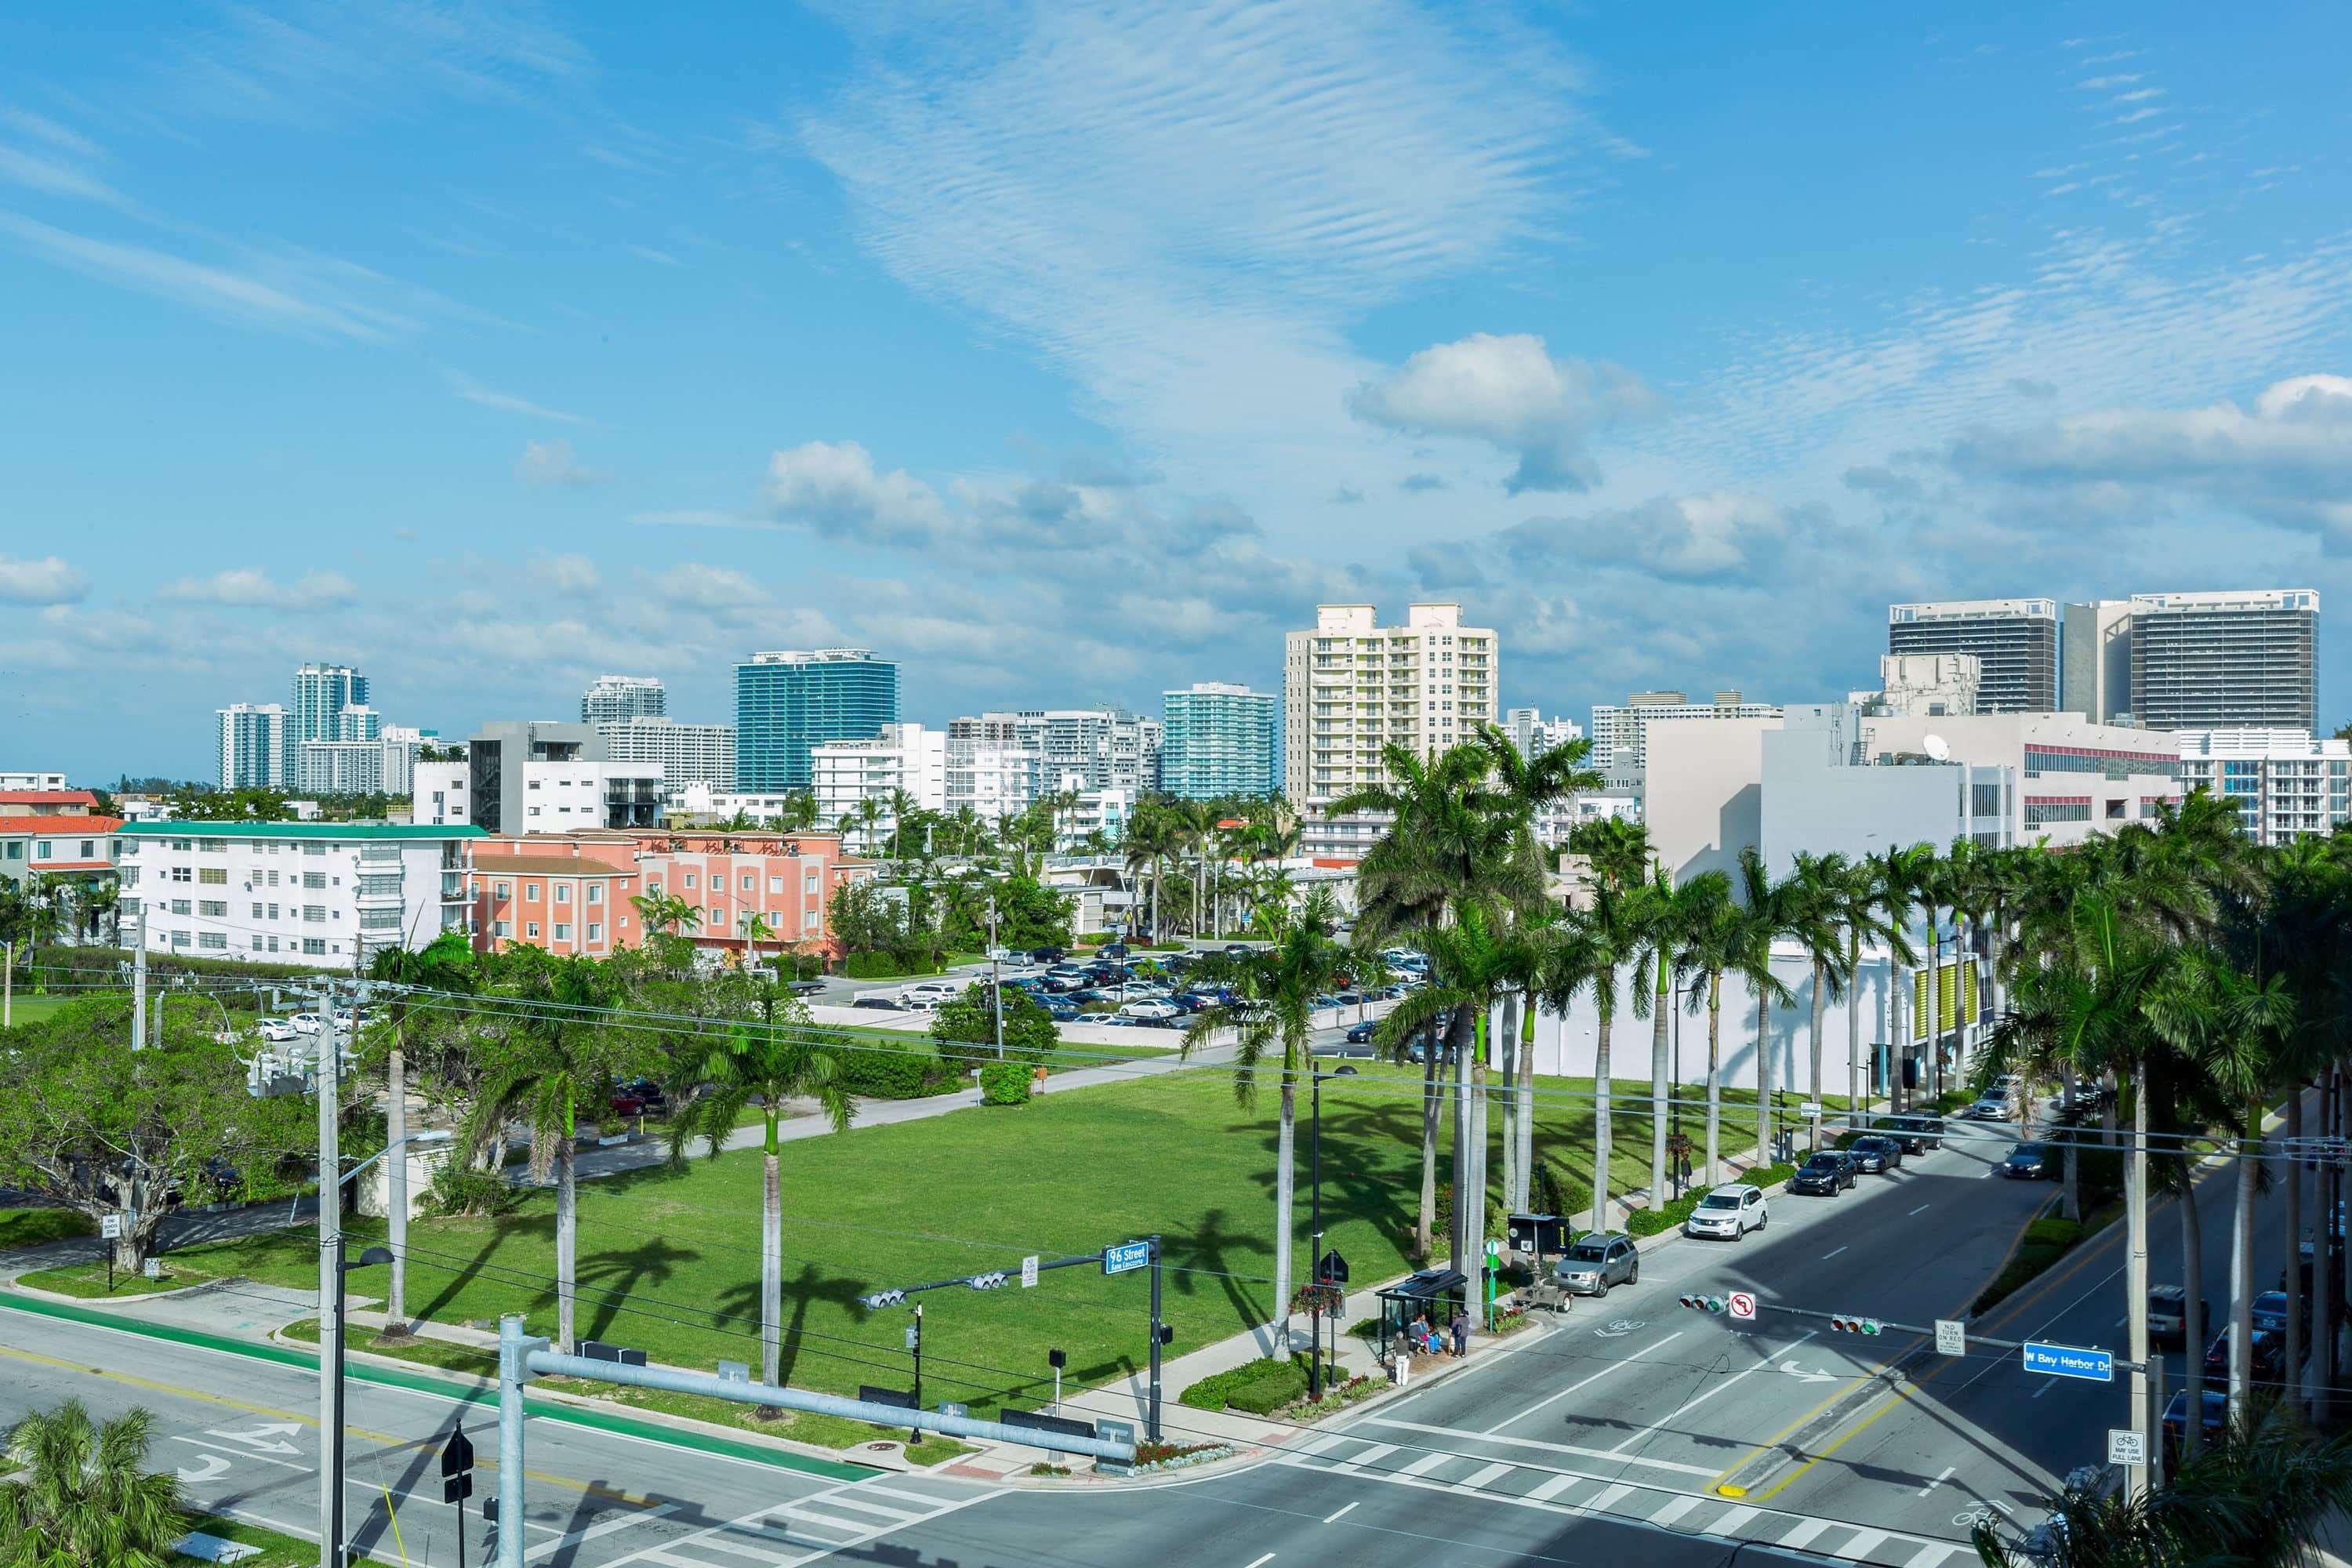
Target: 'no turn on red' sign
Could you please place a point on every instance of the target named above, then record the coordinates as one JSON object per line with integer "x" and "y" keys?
{"x": 1742, "y": 1305}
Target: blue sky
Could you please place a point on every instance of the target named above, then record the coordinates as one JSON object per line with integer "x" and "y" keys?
{"x": 1068, "y": 353}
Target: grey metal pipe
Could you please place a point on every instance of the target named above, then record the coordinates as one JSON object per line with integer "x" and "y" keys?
{"x": 551, "y": 1363}
{"x": 514, "y": 1347}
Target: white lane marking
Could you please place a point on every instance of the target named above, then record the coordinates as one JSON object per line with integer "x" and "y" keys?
{"x": 1865, "y": 1543}
{"x": 1920, "y": 1210}
{"x": 890, "y": 1511}
{"x": 1674, "y": 1510}
{"x": 2047, "y": 1384}
{"x": 876, "y": 1488}
{"x": 1428, "y": 1462}
{"x": 1698, "y": 1399}
{"x": 1554, "y": 1484}
{"x": 1806, "y": 1529}
{"x": 1372, "y": 1454}
{"x": 807, "y": 1515}
{"x": 1550, "y": 1448}
{"x": 1732, "y": 1523}
{"x": 1323, "y": 1444}
{"x": 1827, "y": 1255}
{"x": 1482, "y": 1480}
{"x": 1331, "y": 1518}
{"x": 1262, "y": 1561}
{"x": 241, "y": 1454}
{"x": 1930, "y": 1554}
{"x": 1572, "y": 1387}
{"x": 1938, "y": 1481}
{"x": 603, "y": 1527}
{"x": 1610, "y": 1499}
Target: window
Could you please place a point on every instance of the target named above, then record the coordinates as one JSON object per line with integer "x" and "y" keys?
{"x": 530, "y": 892}
{"x": 563, "y": 930}
{"x": 256, "y": 912}
{"x": 212, "y": 876}
{"x": 775, "y": 884}
{"x": 314, "y": 914}
{"x": 273, "y": 945}
{"x": 314, "y": 850}
{"x": 179, "y": 906}
{"x": 16, "y": 850}
{"x": 179, "y": 939}
{"x": 562, "y": 892}
{"x": 273, "y": 877}
{"x": 213, "y": 909}
{"x": 750, "y": 883}
{"x": 531, "y": 931}
{"x": 314, "y": 944}
{"x": 257, "y": 944}
{"x": 718, "y": 919}
{"x": 595, "y": 892}
{"x": 595, "y": 931}
{"x": 181, "y": 874}
{"x": 273, "y": 912}
{"x": 212, "y": 939}
{"x": 689, "y": 879}
{"x": 380, "y": 919}
{"x": 502, "y": 889}
{"x": 653, "y": 889}
{"x": 808, "y": 883}
{"x": 502, "y": 928}
{"x": 314, "y": 879}
{"x": 89, "y": 848}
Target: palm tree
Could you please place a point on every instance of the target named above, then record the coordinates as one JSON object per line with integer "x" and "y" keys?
{"x": 560, "y": 1061}
{"x": 1617, "y": 849}
{"x": 82, "y": 1494}
{"x": 767, "y": 1062}
{"x": 1861, "y": 913}
{"x": 1664, "y": 917}
{"x": 446, "y": 963}
{"x": 1274, "y": 989}
{"x": 1815, "y": 895}
{"x": 1717, "y": 943}
{"x": 1901, "y": 881}
{"x": 1598, "y": 943}
{"x": 1767, "y": 913}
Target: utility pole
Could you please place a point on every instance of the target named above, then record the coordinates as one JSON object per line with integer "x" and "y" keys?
{"x": 995, "y": 984}
{"x": 330, "y": 1293}
{"x": 7, "y": 983}
{"x": 138, "y": 985}
{"x": 2148, "y": 1419}
{"x": 1158, "y": 1338}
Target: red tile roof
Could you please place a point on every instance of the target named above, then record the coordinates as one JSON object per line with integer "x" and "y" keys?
{"x": 48, "y": 797}
{"x": 58, "y": 826}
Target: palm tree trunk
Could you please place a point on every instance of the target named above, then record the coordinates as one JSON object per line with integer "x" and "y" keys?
{"x": 1821, "y": 971}
{"x": 2241, "y": 1263}
{"x": 1763, "y": 1076}
{"x": 1600, "y": 1129}
{"x": 2071, "y": 1194}
{"x": 2192, "y": 1308}
{"x": 1481, "y": 1137}
{"x": 1506, "y": 1062}
{"x": 1458, "y": 1239}
{"x": 1423, "y": 1241}
{"x": 1714, "y": 1075}
{"x": 1659, "y": 1089}
{"x": 1898, "y": 1039}
{"x": 395, "y": 1177}
{"x": 1935, "y": 1006}
{"x": 2297, "y": 1301}
{"x": 2325, "y": 1294}
{"x": 1286, "y": 1138}
{"x": 1853, "y": 1075}
{"x": 1524, "y": 1133}
{"x": 567, "y": 1245}
{"x": 772, "y": 1266}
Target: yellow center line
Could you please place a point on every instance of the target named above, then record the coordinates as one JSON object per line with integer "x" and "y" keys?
{"x": 227, "y": 1402}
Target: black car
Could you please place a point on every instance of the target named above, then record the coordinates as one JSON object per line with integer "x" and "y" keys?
{"x": 1361, "y": 1034}
{"x": 806, "y": 987}
{"x": 1916, "y": 1133}
{"x": 1876, "y": 1153}
{"x": 2031, "y": 1163}
{"x": 1826, "y": 1174}
{"x": 1059, "y": 1010}
{"x": 881, "y": 1002}
{"x": 1046, "y": 956}
{"x": 2266, "y": 1362}
{"x": 1113, "y": 950}
{"x": 2176, "y": 1419}
{"x": 2168, "y": 1315}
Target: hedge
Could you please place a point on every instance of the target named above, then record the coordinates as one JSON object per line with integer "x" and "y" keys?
{"x": 909, "y": 1072}
{"x": 1255, "y": 1389}
{"x": 888, "y": 965}
{"x": 1670, "y": 1216}
{"x": 1005, "y": 1083}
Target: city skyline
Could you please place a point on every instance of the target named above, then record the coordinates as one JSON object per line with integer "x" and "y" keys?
{"x": 1639, "y": 369}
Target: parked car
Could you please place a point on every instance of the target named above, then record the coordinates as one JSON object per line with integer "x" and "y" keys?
{"x": 1046, "y": 956}
{"x": 880, "y": 1002}
{"x": 2176, "y": 1420}
{"x": 1238, "y": 950}
{"x": 1361, "y": 1034}
{"x": 2031, "y": 1163}
{"x": 806, "y": 987}
{"x": 1596, "y": 1262}
{"x": 2266, "y": 1361}
{"x": 1992, "y": 1105}
{"x": 1729, "y": 1213}
{"x": 1918, "y": 1133}
{"x": 307, "y": 1022}
{"x": 1113, "y": 950}
{"x": 1876, "y": 1154}
{"x": 2270, "y": 1310}
{"x": 1060, "y": 1011}
{"x": 2168, "y": 1315}
{"x": 937, "y": 990}
{"x": 276, "y": 1031}
{"x": 1421, "y": 1046}
{"x": 1826, "y": 1173}
{"x": 1057, "y": 983}
{"x": 1151, "y": 1010}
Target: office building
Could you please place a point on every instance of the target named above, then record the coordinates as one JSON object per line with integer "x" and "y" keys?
{"x": 687, "y": 753}
{"x": 1621, "y": 733}
{"x": 908, "y": 758}
{"x": 2290, "y": 783}
{"x": 1350, "y": 687}
{"x": 2015, "y": 642}
{"x": 2225, "y": 660}
{"x": 2094, "y": 677}
{"x": 786, "y": 703}
{"x": 332, "y": 895}
{"x": 1109, "y": 748}
{"x": 253, "y": 746}
{"x": 1220, "y": 741}
{"x": 322, "y": 692}
{"x": 544, "y": 776}
{"x": 617, "y": 699}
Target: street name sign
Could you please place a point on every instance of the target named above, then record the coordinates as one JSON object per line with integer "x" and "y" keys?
{"x": 1742, "y": 1306}
{"x": 1951, "y": 1337}
{"x": 2070, "y": 1360}
{"x": 1126, "y": 1256}
{"x": 2127, "y": 1446}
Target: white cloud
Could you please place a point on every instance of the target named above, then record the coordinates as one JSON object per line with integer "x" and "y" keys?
{"x": 473, "y": 391}
{"x": 690, "y": 585}
{"x": 55, "y": 179}
{"x": 216, "y": 291}
{"x": 1510, "y": 392}
{"x": 574, "y": 575}
{"x": 251, "y": 587}
{"x": 552, "y": 462}
{"x": 1718, "y": 536}
{"x": 832, "y": 488}
{"x": 48, "y": 580}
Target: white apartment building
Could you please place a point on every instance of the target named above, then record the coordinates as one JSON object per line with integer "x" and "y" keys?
{"x": 1534, "y": 734}
{"x": 253, "y": 746}
{"x": 1111, "y": 747}
{"x": 617, "y": 699}
{"x": 1352, "y": 686}
{"x": 996, "y": 778}
{"x": 12, "y": 781}
{"x": 438, "y": 796}
{"x": 1621, "y": 732}
{"x": 2290, "y": 783}
{"x": 1091, "y": 811}
{"x": 909, "y": 757}
{"x": 327, "y": 894}
{"x": 2015, "y": 641}
{"x": 686, "y": 753}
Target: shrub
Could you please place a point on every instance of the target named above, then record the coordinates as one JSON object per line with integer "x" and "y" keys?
{"x": 1005, "y": 1083}
{"x": 888, "y": 965}
{"x": 1256, "y": 1388}
{"x": 904, "y": 1073}
{"x": 965, "y": 1029}
{"x": 465, "y": 1192}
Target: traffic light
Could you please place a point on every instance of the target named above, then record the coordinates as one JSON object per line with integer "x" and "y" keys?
{"x": 881, "y": 1299}
{"x": 987, "y": 1281}
{"x": 1849, "y": 1325}
{"x": 1705, "y": 1303}
{"x": 1167, "y": 1333}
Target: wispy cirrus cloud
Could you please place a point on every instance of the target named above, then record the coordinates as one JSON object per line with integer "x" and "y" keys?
{"x": 472, "y": 391}
{"x": 239, "y": 295}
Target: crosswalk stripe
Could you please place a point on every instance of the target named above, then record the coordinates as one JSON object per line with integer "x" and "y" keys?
{"x": 1371, "y": 1455}
{"x": 1482, "y": 1479}
{"x": 1930, "y": 1554}
{"x": 1325, "y": 1444}
{"x": 1553, "y": 1486}
{"x": 1427, "y": 1463}
{"x": 1674, "y": 1510}
{"x": 876, "y": 1488}
{"x": 763, "y": 1553}
{"x": 1806, "y": 1529}
{"x": 1733, "y": 1522}
{"x": 1866, "y": 1543}
{"x": 890, "y": 1511}
{"x": 1610, "y": 1498}
{"x": 807, "y": 1515}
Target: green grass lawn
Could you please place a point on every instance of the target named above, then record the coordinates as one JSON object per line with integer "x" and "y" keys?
{"x": 670, "y": 1260}
{"x": 25, "y": 1008}
{"x": 29, "y": 1226}
{"x": 277, "y": 1551}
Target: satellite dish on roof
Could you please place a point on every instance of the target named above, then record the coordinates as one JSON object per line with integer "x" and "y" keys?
{"x": 1938, "y": 747}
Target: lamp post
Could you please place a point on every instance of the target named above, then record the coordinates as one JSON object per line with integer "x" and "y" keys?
{"x": 1314, "y": 1223}
{"x": 332, "y": 1362}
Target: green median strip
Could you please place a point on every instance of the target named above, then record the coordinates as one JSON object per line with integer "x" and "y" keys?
{"x": 442, "y": 1387}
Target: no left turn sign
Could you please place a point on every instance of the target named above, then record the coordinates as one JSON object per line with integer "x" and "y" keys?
{"x": 1743, "y": 1305}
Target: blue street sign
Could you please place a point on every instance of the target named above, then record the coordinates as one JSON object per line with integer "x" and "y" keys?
{"x": 2070, "y": 1360}
{"x": 1125, "y": 1256}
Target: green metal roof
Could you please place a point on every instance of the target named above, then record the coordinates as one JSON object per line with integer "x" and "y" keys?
{"x": 362, "y": 830}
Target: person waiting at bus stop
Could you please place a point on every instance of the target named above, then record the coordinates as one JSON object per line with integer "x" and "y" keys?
{"x": 1461, "y": 1327}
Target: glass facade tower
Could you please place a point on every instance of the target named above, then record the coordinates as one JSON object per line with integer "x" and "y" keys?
{"x": 788, "y": 702}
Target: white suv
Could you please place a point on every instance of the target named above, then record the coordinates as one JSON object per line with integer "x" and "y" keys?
{"x": 1729, "y": 1212}
{"x": 927, "y": 994}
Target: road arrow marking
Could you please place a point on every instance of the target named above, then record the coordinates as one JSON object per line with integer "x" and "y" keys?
{"x": 1803, "y": 1376}
{"x": 213, "y": 1468}
{"x": 260, "y": 1438}
{"x": 1619, "y": 1327}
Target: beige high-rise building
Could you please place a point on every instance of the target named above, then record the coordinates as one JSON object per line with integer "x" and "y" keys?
{"x": 1350, "y": 686}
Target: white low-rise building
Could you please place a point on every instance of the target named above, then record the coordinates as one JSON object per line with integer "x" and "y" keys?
{"x": 2290, "y": 783}
{"x": 328, "y": 894}
{"x": 904, "y": 757}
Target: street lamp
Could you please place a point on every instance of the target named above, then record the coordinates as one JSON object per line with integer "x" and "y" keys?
{"x": 1315, "y": 1224}
{"x": 334, "y": 1523}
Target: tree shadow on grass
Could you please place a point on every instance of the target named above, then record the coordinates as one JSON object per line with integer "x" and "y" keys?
{"x": 1209, "y": 1252}
{"x": 456, "y": 1279}
{"x": 741, "y": 1302}
{"x": 607, "y": 1279}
